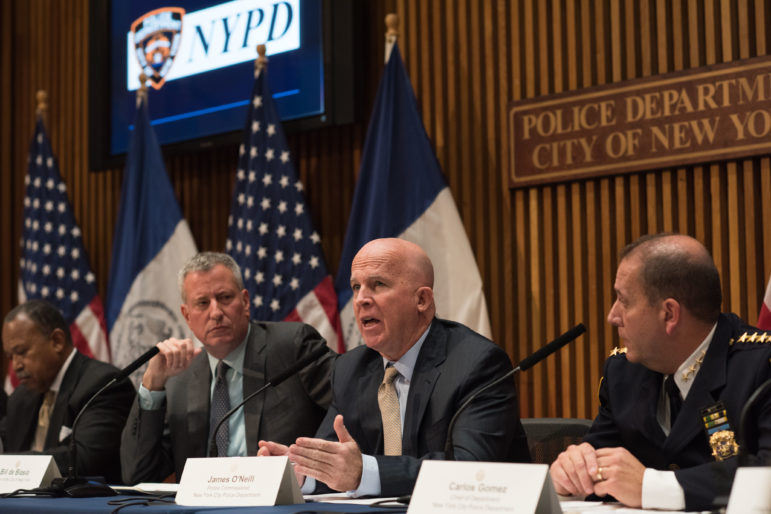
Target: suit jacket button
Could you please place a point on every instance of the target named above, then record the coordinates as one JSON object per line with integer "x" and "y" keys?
{"x": 673, "y": 467}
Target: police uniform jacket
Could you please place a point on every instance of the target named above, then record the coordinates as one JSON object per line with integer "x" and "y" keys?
{"x": 737, "y": 362}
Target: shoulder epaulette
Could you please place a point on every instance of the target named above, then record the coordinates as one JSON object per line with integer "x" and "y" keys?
{"x": 756, "y": 337}
{"x": 617, "y": 351}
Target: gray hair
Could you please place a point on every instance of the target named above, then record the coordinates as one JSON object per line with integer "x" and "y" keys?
{"x": 205, "y": 261}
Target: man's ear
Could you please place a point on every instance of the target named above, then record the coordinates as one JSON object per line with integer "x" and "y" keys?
{"x": 185, "y": 312}
{"x": 671, "y": 312}
{"x": 245, "y": 301}
{"x": 425, "y": 297}
{"x": 58, "y": 339}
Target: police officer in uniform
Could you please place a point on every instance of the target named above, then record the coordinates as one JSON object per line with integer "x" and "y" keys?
{"x": 666, "y": 433}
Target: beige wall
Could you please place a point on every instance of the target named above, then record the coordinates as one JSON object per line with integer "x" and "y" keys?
{"x": 547, "y": 254}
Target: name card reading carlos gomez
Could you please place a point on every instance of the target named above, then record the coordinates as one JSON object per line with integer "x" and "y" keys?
{"x": 470, "y": 487}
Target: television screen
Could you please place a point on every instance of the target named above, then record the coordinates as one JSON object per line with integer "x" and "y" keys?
{"x": 198, "y": 56}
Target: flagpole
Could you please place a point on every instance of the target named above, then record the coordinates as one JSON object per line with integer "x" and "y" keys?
{"x": 392, "y": 33}
{"x": 42, "y": 105}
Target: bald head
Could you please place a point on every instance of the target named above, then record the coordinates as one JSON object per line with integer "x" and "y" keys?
{"x": 404, "y": 256}
{"x": 393, "y": 300}
{"x": 680, "y": 267}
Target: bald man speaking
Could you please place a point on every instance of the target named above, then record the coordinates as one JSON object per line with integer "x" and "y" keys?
{"x": 394, "y": 396}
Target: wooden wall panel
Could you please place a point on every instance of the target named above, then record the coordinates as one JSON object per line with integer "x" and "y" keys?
{"x": 547, "y": 254}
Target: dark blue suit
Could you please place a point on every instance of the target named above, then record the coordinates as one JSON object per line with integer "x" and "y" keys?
{"x": 453, "y": 362}
{"x": 731, "y": 371}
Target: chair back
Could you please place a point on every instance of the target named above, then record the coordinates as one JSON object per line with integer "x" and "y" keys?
{"x": 548, "y": 437}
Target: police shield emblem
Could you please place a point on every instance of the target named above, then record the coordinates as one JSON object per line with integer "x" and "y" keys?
{"x": 156, "y": 36}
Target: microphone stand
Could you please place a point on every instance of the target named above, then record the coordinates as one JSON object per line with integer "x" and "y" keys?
{"x": 525, "y": 364}
{"x": 744, "y": 455}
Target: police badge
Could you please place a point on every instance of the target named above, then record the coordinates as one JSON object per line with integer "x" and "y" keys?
{"x": 719, "y": 434}
{"x": 156, "y": 35}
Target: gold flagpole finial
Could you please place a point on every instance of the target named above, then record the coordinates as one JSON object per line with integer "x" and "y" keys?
{"x": 392, "y": 32}
{"x": 42, "y": 104}
{"x": 261, "y": 61}
{"x": 142, "y": 91}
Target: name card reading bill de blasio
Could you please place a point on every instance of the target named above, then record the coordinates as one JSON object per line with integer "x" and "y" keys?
{"x": 26, "y": 472}
{"x": 238, "y": 482}
{"x": 475, "y": 487}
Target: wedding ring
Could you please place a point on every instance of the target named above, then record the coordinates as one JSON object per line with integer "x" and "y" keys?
{"x": 599, "y": 476}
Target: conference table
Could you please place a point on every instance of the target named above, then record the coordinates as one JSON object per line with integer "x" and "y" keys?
{"x": 136, "y": 504}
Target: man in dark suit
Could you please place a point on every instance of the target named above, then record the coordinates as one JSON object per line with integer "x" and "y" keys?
{"x": 666, "y": 433}
{"x": 364, "y": 446}
{"x": 181, "y": 398}
{"x": 55, "y": 383}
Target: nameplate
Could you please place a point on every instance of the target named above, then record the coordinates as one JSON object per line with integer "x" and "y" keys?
{"x": 750, "y": 492}
{"x": 473, "y": 487}
{"x": 26, "y": 472}
{"x": 238, "y": 482}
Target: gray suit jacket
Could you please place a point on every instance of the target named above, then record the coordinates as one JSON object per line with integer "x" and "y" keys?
{"x": 453, "y": 363}
{"x": 156, "y": 443}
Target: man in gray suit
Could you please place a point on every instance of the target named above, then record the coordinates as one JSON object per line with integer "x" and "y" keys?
{"x": 395, "y": 396}
{"x": 185, "y": 391}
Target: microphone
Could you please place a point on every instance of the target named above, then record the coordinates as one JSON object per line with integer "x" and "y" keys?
{"x": 540, "y": 354}
{"x": 744, "y": 455}
{"x": 276, "y": 380}
{"x": 122, "y": 374}
{"x": 128, "y": 370}
{"x": 525, "y": 364}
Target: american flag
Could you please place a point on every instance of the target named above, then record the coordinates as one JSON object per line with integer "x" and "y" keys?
{"x": 270, "y": 234}
{"x": 54, "y": 265}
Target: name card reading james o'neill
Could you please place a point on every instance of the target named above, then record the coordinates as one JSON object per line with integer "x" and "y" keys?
{"x": 471, "y": 487}
{"x": 238, "y": 482}
{"x": 26, "y": 472}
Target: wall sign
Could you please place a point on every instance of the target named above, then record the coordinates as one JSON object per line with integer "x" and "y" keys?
{"x": 689, "y": 117}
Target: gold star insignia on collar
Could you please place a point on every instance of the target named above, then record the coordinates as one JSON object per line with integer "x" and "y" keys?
{"x": 617, "y": 351}
{"x": 762, "y": 338}
{"x": 693, "y": 368}
{"x": 752, "y": 338}
{"x": 743, "y": 338}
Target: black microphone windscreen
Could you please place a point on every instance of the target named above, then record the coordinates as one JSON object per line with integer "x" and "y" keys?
{"x": 552, "y": 347}
{"x": 128, "y": 370}
{"x": 297, "y": 366}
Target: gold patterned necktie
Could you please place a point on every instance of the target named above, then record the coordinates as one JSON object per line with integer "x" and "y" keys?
{"x": 43, "y": 421}
{"x": 389, "y": 411}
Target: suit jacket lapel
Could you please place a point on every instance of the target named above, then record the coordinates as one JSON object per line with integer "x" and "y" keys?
{"x": 424, "y": 377}
{"x": 21, "y": 432}
{"x": 198, "y": 393}
{"x": 60, "y": 414}
{"x": 254, "y": 378}
{"x": 367, "y": 406}
{"x": 710, "y": 379}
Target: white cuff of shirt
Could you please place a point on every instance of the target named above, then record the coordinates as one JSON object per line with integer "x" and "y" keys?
{"x": 150, "y": 400}
{"x": 661, "y": 490}
{"x": 308, "y": 486}
{"x": 370, "y": 478}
